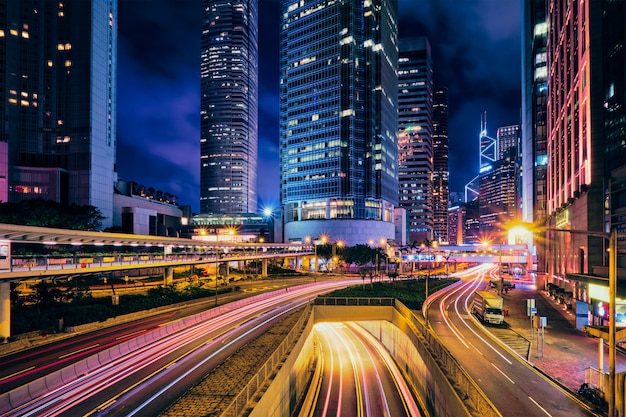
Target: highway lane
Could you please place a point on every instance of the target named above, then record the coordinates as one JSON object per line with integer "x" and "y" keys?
{"x": 142, "y": 378}
{"x": 515, "y": 388}
{"x": 359, "y": 376}
{"x": 25, "y": 366}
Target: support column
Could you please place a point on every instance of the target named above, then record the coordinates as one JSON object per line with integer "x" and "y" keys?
{"x": 5, "y": 309}
{"x": 168, "y": 277}
{"x": 306, "y": 263}
{"x": 297, "y": 267}
{"x": 264, "y": 268}
{"x": 600, "y": 354}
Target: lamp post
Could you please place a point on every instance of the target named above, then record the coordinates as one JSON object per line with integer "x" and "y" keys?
{"x": 217, "y": 261}
{"x": 430, "y": 244}
{"x": 323, "y": 239}
{"x": 217, "y": 258}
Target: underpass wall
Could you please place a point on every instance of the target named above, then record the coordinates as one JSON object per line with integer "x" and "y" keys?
{"x": 291, "y": 381}
{"x": 442, "y": 387}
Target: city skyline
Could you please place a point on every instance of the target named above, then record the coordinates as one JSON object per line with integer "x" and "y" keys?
{"x": 476, "y": 53}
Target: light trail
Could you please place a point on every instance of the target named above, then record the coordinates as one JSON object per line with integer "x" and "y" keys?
{"x": 68, "y": 395}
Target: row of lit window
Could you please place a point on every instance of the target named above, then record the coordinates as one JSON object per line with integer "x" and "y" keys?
{"x": 15, "y": 32}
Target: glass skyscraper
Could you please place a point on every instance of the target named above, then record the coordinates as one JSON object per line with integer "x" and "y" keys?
{"x": 338, "y": 119}
{"x": 229, "y": 106}
{"x": 415, "y": 136}
{"x": 58, "y": 84}
{"x": 441, "y": 171}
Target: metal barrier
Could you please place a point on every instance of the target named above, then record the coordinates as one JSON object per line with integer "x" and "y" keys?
{"x": 251, "y": 390}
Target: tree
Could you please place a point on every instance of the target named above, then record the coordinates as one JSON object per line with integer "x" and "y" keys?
{"x": 48, "y": 213}
{"x": 359, "y": 254}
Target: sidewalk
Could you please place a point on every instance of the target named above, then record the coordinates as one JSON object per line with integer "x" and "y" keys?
{"x": 566, "y": 351}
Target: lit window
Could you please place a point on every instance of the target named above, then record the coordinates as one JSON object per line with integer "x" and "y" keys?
{"x": 49, "y": 63}
{"x": 24, "y": 103}
{"x": 25, "y": 35}
{"x": 60, "y": 47}
{"x": 68, "y": 46}
{"x": 13, "y": 100}
{"x": 13, "y": 32}
{"x": 68, "y": 63}
{"x": 1, "y": 33}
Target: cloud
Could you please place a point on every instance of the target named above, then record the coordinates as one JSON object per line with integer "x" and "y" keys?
{"x": 475, "y": 49}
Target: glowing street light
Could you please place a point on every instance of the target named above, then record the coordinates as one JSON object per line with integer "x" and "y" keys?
{"x": 231, "y": 232}
{"x": 423, "y": 245}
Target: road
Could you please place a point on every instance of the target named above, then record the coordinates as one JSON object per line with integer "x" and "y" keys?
{"x": 147, "y": 379}
{"x": 359, "y": 376}
{"x": 515, "y": 388}
{"x": 26, "y": 366}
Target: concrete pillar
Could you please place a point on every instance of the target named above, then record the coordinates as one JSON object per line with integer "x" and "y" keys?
{"x": 306, "y": 263}
{"x": 168, "y": 278}
{"x": 264, "y": 268}
{"x": 5, "y": 309}
{"x": 297, "y": 266}
{"x": 286, "y": 262}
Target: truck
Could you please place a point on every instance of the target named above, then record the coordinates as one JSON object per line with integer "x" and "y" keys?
{"x": 488, "y": 307}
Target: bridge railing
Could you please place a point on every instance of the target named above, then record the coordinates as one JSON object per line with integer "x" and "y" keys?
{"x": 45, "y": 263}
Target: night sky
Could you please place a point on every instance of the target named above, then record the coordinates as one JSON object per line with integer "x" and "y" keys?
{"x": 475, "y": 49}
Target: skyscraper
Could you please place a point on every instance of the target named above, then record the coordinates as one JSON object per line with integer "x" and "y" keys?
{"x": 229, "y": 106}
{"x": 441, "y": 173}
{"x": 585, "y": 131}
{"x": 415, "y": 136}
{"x": 508, "y": 138}
{"x": 338, "y": 119}
{"x": 58, "y": 83}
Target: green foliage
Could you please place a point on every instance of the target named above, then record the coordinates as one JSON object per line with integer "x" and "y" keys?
{"x": 410, "y": 292}
{"x": 47, "y": 213}
{"x": 359, "y": 254}
{"x": 87, "y": 309}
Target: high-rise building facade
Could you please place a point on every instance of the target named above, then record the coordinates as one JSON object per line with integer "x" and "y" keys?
{"x": 338, "y": 119}
{"x": 441, "y": 173}
{"x": 415, "y": 136}
{"x": 229, "y": 106}
{"x": 498, "y": 197}
{"x": 585, "y": 131}
{"x": 508, "y": 138}
{"x": 58, "y": 83}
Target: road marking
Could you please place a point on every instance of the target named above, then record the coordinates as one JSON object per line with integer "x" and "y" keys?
{"x": 540, "y": 407}
{"x": 503, "y": 374}
{"x": 129, "y": 334}
{"x": 78, "y": 351}
{"x": 17, "y": 373}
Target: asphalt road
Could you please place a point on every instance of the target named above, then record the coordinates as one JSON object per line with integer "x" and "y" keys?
{"x": 514, "y": 387}
{"x": 359, "y": 378}
{"x": 147, "y": 380}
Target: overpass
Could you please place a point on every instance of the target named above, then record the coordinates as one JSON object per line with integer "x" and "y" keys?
{"x": 171, "y": 252}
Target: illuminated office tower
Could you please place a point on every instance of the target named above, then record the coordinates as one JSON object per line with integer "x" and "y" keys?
{"x": 228, "y": 106}
{"x": 534, "y": 127}
{"x": 508, "y": 138}
{"x": 415, "y": 136}
{"x": 441, "y": 173}
{"x": 586, "y": 143}
{"x": 58, "y": 86}
{"x": 338, "y": 119}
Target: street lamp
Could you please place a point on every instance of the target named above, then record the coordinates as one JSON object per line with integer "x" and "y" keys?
{"x": 423, "y": 245}
{"x": 323, "y": 239}
{"x": 217, "y": 257}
